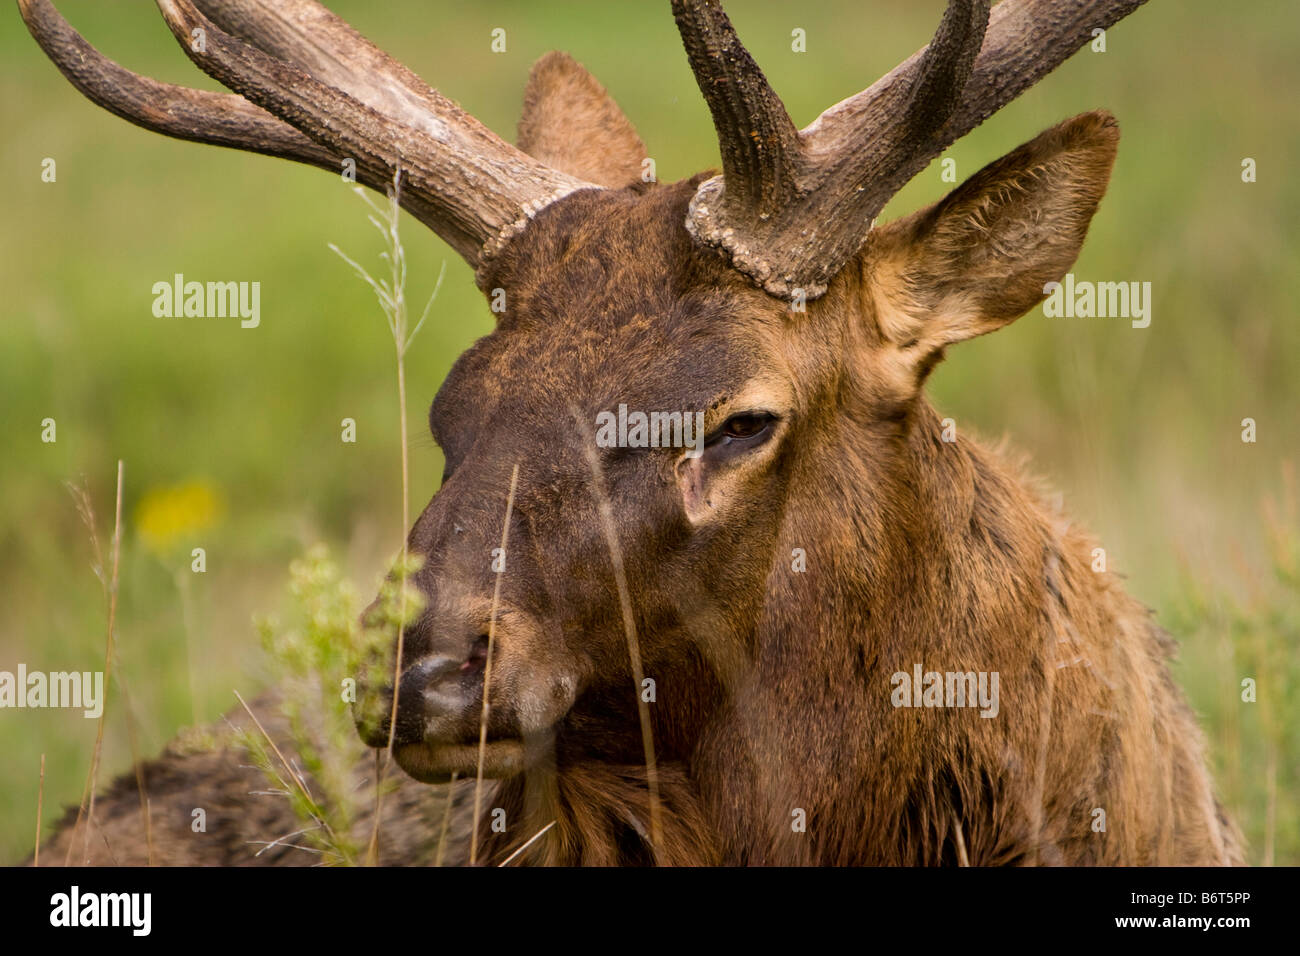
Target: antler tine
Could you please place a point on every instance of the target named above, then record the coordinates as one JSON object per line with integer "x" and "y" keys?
{"x": 853, "y": 158}
{"x": 946, "y": 65}
{"x": 220, "y": 119}
{"x": 759, "y": 143}
{"x": 1026, "y": 40}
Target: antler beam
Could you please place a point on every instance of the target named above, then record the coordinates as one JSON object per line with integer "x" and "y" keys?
{"x": 313, "y": 90}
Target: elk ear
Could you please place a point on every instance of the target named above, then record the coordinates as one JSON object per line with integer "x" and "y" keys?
{"x": 979, "y": 258}
{"x": 572, "y": 124}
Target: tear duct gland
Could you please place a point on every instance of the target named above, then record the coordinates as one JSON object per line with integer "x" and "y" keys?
{"x": 772, "y": 700}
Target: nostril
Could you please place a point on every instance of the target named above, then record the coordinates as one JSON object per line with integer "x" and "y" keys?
{"x": 439, "y": 688}
{"x": 477, "y": 659}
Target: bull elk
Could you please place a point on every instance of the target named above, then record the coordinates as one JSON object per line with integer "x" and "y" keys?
{"x": 695, "y": 651}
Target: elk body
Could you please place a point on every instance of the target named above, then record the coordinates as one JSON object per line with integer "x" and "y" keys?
{"x": 825, "y": 540}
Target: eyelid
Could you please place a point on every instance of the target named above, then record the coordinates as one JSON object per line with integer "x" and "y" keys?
{"x": 719, "y": 433}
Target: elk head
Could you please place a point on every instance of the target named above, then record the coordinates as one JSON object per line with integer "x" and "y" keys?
{"x": 763, "y": 306}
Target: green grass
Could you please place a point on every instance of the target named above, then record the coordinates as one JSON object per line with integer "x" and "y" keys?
{"x": 1138, "y": 429}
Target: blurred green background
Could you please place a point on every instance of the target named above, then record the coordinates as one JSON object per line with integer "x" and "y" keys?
{"x": 231, "y": 437}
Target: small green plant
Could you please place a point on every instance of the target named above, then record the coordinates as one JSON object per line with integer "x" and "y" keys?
{"x": 319, "y": 660}
{"x": 311, "y": 658}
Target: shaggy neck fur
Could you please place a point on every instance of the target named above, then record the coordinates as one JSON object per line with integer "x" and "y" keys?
{"x": 1093, "y": 757}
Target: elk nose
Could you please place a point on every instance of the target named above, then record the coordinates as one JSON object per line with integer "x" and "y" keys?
{"x": 436, "y": 685}
{"x": 437, "y": 696}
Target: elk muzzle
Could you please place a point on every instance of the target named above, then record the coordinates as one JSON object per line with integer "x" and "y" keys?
{"x": 446, "y": 672}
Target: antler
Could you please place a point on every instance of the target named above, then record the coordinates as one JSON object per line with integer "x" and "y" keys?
{"x": 314, "y": 90}
{"x": 792, "y": 207}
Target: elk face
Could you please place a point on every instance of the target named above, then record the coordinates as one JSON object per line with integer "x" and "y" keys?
{"x": 609, "y": 304}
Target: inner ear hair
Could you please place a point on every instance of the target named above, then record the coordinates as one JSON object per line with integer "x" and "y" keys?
{"x": 980, "y": 257}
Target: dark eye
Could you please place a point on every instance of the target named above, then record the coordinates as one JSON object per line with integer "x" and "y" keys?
{"x": 747, "y": 425}
{"x": 746, "y": 430}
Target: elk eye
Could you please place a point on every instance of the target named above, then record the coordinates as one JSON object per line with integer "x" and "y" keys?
{"x": 744, "y": 430}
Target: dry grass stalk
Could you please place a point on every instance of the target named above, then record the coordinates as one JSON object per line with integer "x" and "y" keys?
{"x": 962, "y": 858}
{"x": 40, "y": 805}
{"x": 446, "y": 818}
{"x": 527, "y": 843}
{"x": 391, "y": 294}
{"x": 610, "y": 531}
{"x": 487, "y": 665}
{"x": 87, "y": 805}
{"x": 293, "y": 774}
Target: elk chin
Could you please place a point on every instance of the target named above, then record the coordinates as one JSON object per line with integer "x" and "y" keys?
{"x": 526, "y": 707}
{"x": 436, "y": 763}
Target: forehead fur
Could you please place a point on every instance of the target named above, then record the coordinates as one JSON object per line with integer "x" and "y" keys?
{"x": 605, "y": 256}
{"x": 608, "y": 300}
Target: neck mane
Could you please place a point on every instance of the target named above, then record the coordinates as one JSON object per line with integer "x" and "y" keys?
{"x": 940, "y": 560}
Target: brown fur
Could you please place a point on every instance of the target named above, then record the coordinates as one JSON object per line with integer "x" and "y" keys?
{"x": 243, "y": 814}
{"x": 570, "y": 123}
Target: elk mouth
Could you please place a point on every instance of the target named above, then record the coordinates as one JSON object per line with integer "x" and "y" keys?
{"x": 450, "y": 712}
{"x": 431, "y": 762}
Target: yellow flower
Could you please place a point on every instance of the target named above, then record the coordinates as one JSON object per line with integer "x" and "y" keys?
{"x": 166, "y": 515}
